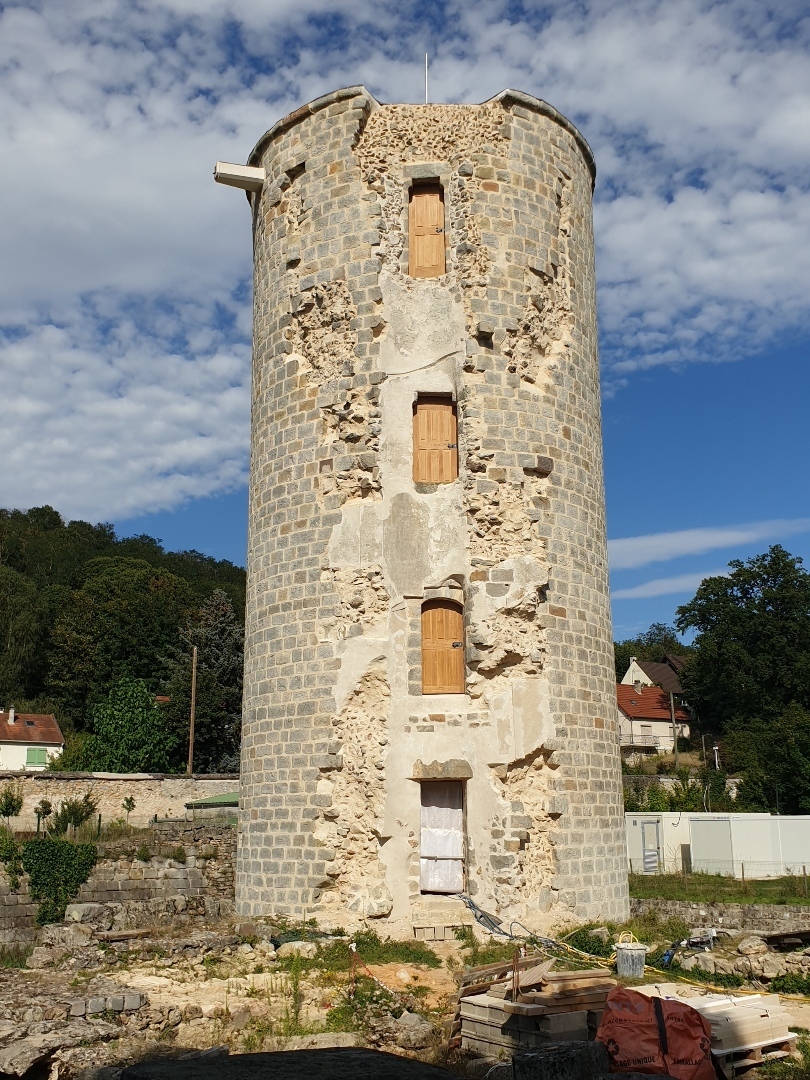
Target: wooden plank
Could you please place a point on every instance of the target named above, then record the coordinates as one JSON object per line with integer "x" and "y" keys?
{"x": 535, "y": 975}
{"x": 528, "y": 1009}
{"x": 482, "y": 974}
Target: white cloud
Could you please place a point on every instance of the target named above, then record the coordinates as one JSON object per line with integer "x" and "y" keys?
{"x": 129, "y": 280}
{"x": 635, "y": 551}
{"x": 682, "y": 583}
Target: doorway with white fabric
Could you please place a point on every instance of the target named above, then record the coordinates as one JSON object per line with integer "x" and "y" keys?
{"x": 442, "y": 837}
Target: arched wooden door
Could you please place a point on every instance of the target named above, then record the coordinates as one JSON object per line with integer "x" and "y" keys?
{"x": 435, "y": 440}
{"x": 443, "y": 670}
{"x": 426, "y": 231}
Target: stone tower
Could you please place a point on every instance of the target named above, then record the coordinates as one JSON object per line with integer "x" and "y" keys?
{"x": 429, "y": 693}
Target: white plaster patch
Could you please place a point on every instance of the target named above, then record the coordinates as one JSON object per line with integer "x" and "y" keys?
{"x": 426, "y": 324}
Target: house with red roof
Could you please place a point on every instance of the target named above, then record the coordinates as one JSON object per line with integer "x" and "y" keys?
{"x": 645, "y": 720}
{"x": 28, "y": 741}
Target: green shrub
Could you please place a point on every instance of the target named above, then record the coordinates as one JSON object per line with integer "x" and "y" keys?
{"x": 11, "y": 800}
{"x": 359, "y": 1005}
{"x": 11, "y": 856}
{"x": 178, "y": 855}
{"x": 790, "y": 984}
{"x": 143, "y": 853}
{"x": 73, "y": 812}
{"x": 56, "y": 869}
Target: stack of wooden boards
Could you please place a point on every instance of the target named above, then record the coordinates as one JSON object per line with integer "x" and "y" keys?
{"x": 746, "y": 1031}
{"x": 523, "y": 1005}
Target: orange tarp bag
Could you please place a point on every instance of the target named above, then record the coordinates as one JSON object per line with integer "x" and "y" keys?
{"x": 655, "y": 1035}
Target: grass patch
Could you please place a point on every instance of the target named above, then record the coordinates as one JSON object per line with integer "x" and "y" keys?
{"x": 371, "y": 948}
{"x": 717, "y": 889}
{"x": 478, "y": 955}
{"x": 14, "y": 956}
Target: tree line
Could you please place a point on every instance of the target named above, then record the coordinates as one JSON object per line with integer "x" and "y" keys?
{"x": 96, "y": 629}
{"x": 747, "y": 675}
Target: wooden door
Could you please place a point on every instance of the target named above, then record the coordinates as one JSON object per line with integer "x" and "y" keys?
{"x": 426, "y": 231}
{"x": 435, "y": 440}
{"x": 443, "y": 668}
{"x": 441, "y": 849}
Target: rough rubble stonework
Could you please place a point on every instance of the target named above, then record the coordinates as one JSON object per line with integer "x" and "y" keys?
{"x": 344, "y": 548}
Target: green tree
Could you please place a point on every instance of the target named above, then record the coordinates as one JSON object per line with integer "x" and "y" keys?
{"x": 653, "y": 644}
{"x": 11, "y": 801}
{"x": 219, "y": 637}
{"x": 130, "y": 732}
{"x": 54, "y": 594}
{"x": 21, "y": 632}
{"x": 752, "y": 648}
{"x": 774, "y": 758}
{"x": 121, "y": 622}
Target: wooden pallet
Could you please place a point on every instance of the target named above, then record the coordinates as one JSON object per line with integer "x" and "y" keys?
{"x": 748, "y": 1057}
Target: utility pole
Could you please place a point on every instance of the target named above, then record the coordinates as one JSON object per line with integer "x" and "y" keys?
{"x": 426, "y": 78}
{"x": 193, "y": 708}
{"x": 674, "y": 729}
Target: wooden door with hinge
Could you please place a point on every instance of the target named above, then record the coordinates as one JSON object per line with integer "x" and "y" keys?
{"x": 441, "y": 847}
{"x": 426, "y": 231}
{"x": 435, "y": 440}
{"x": 443, "y": 669}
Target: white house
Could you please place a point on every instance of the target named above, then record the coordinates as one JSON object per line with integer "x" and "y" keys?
{"x": 646, "y": 720}
{"x": 28, "y": 741}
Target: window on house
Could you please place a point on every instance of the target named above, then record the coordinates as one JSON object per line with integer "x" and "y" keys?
{"x": 426, "y": 231}
{"x": 443, "y": 669}
{"x": 435, "y": 440}
{"x": 441, "y": 849}
{"x": 36, "y": 755}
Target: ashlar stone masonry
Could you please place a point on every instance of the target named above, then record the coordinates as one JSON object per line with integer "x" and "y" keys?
{"x": 360, "y": 793}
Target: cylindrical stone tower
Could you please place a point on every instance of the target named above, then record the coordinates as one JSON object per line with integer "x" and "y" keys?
{"x": 430, "y": 705}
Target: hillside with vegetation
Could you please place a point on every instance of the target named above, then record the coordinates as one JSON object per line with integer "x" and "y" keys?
{"x": 747, "y": 685}
{"x": 93, "y": 627}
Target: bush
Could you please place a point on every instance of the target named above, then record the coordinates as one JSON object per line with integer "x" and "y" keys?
{"x": 790, "y": 984}
{"x": 56, "y": 869}
{"x": 73, "y": 812}
{"x": 11, "y": 801}
{"x": 143, "y": 853}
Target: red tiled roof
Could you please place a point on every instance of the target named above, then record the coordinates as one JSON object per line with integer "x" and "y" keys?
{"x": 649, "y": 703}
{"x": 31, "y": 728}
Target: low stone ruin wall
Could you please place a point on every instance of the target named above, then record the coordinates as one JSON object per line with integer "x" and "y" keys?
{"x": 767, "y": 918}
{"x": 154, "y": 794}
{"x": 138, "y": 892}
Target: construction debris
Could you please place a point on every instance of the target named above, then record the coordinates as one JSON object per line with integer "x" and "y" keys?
{"x": 524, "y": 1005}
{"x": 745, "y": 1031}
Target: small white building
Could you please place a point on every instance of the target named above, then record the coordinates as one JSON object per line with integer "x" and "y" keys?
{"x": 28, "y": 741}
{"x": 734, "y": 845}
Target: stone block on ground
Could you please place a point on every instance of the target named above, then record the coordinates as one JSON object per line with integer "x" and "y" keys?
{"x": 751, "y": 945}
{"x": 413, "y": 1032}
{"x": 307, "y": 949}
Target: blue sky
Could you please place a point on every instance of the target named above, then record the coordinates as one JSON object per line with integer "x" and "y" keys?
{"x": 125, "y": 307}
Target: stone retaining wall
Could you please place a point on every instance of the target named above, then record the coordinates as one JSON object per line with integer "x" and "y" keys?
{"x": 769, "y": 918}
{"x": 154, "y": 794}
{"x": 141, "y": 892}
